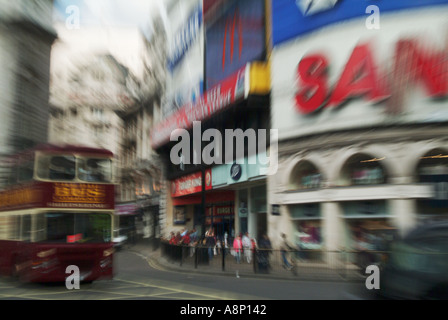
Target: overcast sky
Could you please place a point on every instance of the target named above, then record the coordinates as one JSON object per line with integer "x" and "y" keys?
{"x": 112, "y": 26}
{"x": 113, "y": 13}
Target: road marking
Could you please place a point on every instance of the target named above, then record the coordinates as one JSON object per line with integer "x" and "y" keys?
{"x": 205, "y": 295}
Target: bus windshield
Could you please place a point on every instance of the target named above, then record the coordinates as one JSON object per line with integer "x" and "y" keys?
{"x": 56, "y": 167}
{"x": 75, "y": 227}
{"x": 95, "y": 170}
{"x": 69, "y": 168}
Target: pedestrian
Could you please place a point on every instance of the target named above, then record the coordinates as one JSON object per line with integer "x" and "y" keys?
{"x": 264, "y": 245}
{"x": 193, "y": 241}
{"x": 218, "y": 247}
{"x": 285, "y": 248}
{"x": 185, "y": 240}
{"x": 237, "y": 248}
{"x": 177, "y": 238}
{"x": 172, "y": 237}
{"x": 194, "y": 236}
{"x": 226, "y": 243}
{"x": 210, "y": 242}
{"x": 247, "y": 247}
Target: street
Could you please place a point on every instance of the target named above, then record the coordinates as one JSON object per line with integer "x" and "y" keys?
{"x": 136, "y": 278}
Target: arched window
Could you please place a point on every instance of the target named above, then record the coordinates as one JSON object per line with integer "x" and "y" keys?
{"x": 432, "y": 164}
{"x": 433, "y": 169}
{"x": 305, "y": 176}
{"x": 363, "y": 169}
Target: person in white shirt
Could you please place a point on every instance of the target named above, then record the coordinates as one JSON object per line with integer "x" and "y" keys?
{"x": 247, "y": 244}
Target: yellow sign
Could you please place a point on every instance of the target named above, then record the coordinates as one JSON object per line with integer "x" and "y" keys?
{"x": 17, "y": 197}
{"x": 80, "y": 193}
{"x": 260, "y": 81}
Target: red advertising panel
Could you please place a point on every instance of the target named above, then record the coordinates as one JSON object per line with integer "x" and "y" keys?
{"x": 191, "y": 184}
{"x": 216, "y": 99}
{"x": 210, "y": 197}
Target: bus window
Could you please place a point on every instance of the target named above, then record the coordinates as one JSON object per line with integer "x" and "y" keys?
{"x": 26, "y": 171}
{"x": 9, "y": 227}
{"x": 58, "y": 227}
{"x": 26, "y": 228}
{"x": 39, "y": 230}
{"x": 95, "y": 170}
{"x": 4, "y": 227}
{"x": 78, "y": 227}
{"x": 56, "y": 167}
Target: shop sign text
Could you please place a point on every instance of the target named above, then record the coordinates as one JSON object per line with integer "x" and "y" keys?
{"x": 361, "y": 77}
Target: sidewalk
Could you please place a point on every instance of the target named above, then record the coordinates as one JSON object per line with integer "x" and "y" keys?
{"x": 311, "y": 272}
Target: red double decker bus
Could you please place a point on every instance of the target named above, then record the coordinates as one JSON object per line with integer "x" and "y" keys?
{"x": 56, "y": 210}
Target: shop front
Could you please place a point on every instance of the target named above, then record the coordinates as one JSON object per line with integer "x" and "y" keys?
{"x": 220, "y": 217}
{"x": 306, "y": 220}
{"x": 187, "y": 199}
{"x": 248, "y": 180}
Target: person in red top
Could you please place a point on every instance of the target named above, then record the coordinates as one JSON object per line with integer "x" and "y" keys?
{"x": 177, "y": 238}
{"x": 172, "y": 238}
{"x": 186, "y": 238}
{"x": 237, "y": 248}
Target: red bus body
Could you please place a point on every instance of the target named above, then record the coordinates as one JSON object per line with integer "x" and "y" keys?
{"x": 21, "y": 259}
{"x": 38, "y": 259}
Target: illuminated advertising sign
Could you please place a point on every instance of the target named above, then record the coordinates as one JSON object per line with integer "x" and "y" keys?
{"x": 191, "y": 184}
{"x": 412, "y": 62}
{"x": 59, "y": 195}
{"x": 81, "y": 195}
{"x": 292, "y": 18}
{"x": 216, "y": 99}
{"x": 348, "y": 76}
{"x": 236, "y": 37}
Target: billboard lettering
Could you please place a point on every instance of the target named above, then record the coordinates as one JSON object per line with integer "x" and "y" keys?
{"x": 185, "y": 37}
{"x": 361, "y": 78}
{"x": 231, "y": 24}
{"x": 191, "y": 184}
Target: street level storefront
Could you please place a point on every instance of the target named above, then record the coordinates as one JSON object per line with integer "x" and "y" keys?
{"x": 248, "y": 179}
{"x": 362, "y": 124}
{"x": 186, "y": 199}
{"x": 247, "y": 108}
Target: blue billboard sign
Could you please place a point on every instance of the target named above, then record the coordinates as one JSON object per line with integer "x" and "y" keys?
{"x": 292, "y": 18}
{"x": 234, "y": 38}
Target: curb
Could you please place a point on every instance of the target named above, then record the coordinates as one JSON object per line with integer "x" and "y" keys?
{"x": 159, "y": 262}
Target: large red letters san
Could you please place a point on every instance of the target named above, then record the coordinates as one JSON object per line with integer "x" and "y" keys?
{"x": 362, "y": 78}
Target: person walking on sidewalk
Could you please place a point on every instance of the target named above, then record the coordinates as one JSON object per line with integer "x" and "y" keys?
{"x": 210, "y": 242}
{"x": 237, "y": 248}
{"x": 285, "y": 248}
{"x": 263, "y": 254}
{"x": 247, "y": 247}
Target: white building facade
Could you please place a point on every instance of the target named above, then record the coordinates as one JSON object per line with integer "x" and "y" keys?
{"x": 362, "y": 118}
{"x": 85, "y": 101}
